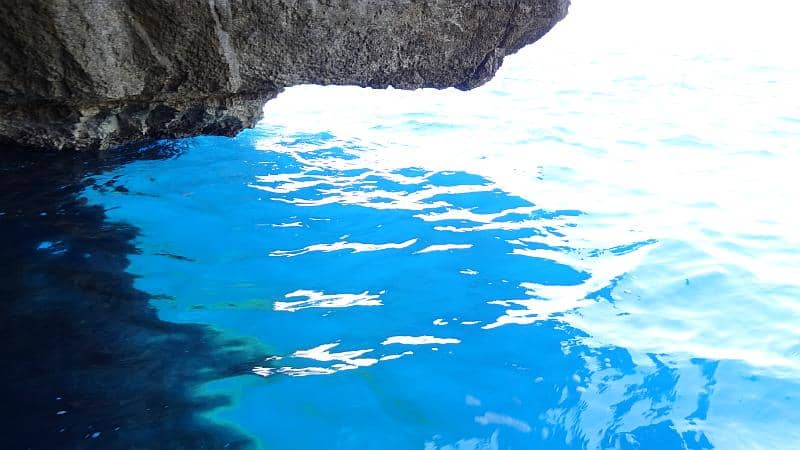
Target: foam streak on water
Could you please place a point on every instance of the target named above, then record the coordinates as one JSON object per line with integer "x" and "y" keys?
{"x": 598, "y": 249}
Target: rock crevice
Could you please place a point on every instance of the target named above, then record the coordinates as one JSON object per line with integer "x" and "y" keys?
{"x": 89, "y": 74}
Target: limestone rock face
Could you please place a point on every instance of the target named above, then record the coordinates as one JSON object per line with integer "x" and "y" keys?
{"x": 89, "y": 74}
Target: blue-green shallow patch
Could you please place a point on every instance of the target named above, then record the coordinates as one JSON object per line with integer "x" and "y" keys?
{"x": 86, "y": 361}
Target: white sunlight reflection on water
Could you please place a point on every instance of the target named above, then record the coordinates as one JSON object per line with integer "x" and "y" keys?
{"x": 598, "y": 246}
{"x": 316, "y": 299}
{"x": 698, "y": 174}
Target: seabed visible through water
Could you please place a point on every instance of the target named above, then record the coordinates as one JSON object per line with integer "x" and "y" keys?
{"x": 593, "y": 251}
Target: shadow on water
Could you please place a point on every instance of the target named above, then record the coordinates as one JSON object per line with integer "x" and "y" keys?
{"x": 86, "y": 362}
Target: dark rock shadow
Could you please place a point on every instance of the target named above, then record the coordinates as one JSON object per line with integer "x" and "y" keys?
{"x": 85, "y": 361}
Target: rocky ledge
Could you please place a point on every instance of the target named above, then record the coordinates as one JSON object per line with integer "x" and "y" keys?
{"x": 90, "y": 74}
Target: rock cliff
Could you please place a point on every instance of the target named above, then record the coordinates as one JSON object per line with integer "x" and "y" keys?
{"x": 89, "y": 74}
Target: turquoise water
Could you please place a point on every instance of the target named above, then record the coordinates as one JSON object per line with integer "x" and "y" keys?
{"x": 585, "y": 254}
{"x": 597, "y": 249}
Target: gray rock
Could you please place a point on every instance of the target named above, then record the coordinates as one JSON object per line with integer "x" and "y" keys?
{"x": 89, "y": 74}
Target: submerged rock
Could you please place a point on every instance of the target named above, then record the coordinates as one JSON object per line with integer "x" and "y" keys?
{"x": 89, "y": 74}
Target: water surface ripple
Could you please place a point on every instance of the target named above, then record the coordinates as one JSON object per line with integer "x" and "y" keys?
{"x": 591, "y": 252}
{"x": 423, "y": 274}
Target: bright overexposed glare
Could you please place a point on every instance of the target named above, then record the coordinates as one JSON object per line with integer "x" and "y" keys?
{"x": 662, "y": 121}
{"x": 597, "y": 249}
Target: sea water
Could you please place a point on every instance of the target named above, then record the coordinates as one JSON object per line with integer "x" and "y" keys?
{"x": 597, "y": 249}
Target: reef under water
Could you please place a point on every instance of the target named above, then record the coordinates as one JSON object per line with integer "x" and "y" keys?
{"x": 84, "y": 354}
{"x": 598, "y": 249}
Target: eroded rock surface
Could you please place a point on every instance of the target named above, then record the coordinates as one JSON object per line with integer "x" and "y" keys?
{"x": 88, "y": 74}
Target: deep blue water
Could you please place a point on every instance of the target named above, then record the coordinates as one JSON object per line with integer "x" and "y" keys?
{"x": 595, "y": 251}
